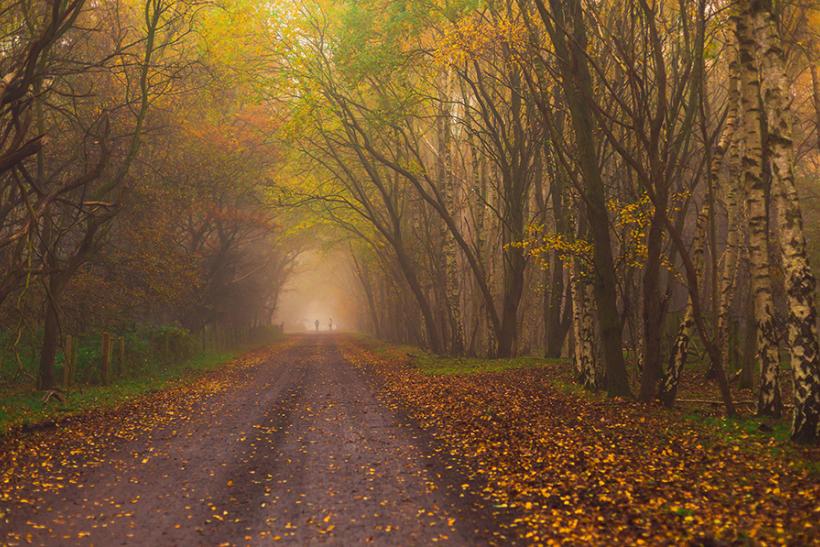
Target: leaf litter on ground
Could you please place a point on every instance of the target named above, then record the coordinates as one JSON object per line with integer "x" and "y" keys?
{"x": 571, "y": 467}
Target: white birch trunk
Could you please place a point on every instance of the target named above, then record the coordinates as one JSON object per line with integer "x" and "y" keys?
{"x": 753, "y": 183}
{"x": 800, "y": 283}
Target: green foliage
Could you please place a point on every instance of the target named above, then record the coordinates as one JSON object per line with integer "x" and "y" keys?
{"x": 369, "y": 42}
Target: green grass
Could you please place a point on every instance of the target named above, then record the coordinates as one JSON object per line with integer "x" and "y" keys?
{"x": 740, "y": 427}
{"x": 24, "y": 407}
{"x": 446, "y": 366}
{"x": 442, "y": 365}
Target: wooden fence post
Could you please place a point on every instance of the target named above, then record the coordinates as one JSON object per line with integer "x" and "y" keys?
{"x": 122, "y": 356}
{"x": 106, "y": 358}
{"x": 68, "y": 357}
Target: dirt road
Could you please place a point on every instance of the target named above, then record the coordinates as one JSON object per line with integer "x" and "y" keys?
{"x": 299, "y": 451}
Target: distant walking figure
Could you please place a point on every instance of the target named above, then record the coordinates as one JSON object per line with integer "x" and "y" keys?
{"x": 317, "y": 325}
{"x": 331, "y": 324}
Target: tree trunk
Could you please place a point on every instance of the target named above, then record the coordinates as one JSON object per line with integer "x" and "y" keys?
{"x": 578, "y": 301}
{"x": 756, "y": 188}
{"x": 815, "y": 91}
{"x": 363, "y": 274}
{"x": 680, "y": 350}
{"x": 589, "y": 336}
{"x": 800, "y": 283}
{"x": 51, "y": 337}
{"x": 583, "y": 316}
{"x": 729, "y": 268}
{"x": 727, "y": 184}
{"x": 513, "y": 289}
{"x": 653, "y": 312}
{"x": 555, "y": 329}
{"x": 433, "y": 340}
{"x": 577, "y": 85}
{"x": 748, "y": 359}
{"x": 444, "y": 168}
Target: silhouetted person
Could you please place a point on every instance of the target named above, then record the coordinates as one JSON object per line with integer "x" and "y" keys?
{"x": 331, "y": 324}
{"x": 317, "y": 325}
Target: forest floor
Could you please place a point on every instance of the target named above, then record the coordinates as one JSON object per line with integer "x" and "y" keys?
{"x": 335, "y": 439}
{"x": 572, "y": 466}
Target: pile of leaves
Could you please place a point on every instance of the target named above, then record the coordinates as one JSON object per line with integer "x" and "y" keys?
{"x": 572, "y": 467}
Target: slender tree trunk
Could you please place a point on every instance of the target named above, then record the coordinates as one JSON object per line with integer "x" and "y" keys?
{"x": 513, "y": 289}
{"x": 545, "y": 309}
{"x": 491, "y": 335}
{"x": 799, "y": 280}
{"x": 652, "y": 311}
{"x": 444, "y": 168}
{"x": 479, "y": 191}
{"x": 756, "y": 188}
{"x": 51, "y": 338}
{"x": 555, "y": 330}
{"x": 726, "y": 179}
{"x": 680, "y": 350}
{"x": 749, "y": 357}
{"x": 590, "y": 375}
{"x": 584, "y": 321}
{"x": 577, "y": 86}
{"x": 409, "y": 272}
{"x": 729, "y": 269}
{"x": 554, "y": 327}
{"x": 363, "y": 273}
{"x": 578, "y": 301}
{"x": 677, "y": 359}
{"x": 815, "y": 91}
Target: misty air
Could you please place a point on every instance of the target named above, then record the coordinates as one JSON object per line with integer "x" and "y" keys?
{"x": 402, "y": 272}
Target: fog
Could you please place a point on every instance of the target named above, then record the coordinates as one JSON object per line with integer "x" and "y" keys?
{"x": 321, "y": 287}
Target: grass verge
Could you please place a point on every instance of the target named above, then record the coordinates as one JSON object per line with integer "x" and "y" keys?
{"x": 25, "y": 408}
{"x": 447, "y": 366}
{"x": 442, "y": 365}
